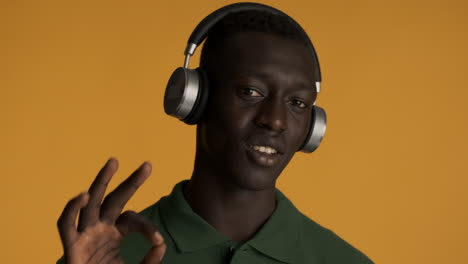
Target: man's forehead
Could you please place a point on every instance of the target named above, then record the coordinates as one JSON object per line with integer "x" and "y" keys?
{"x": 259, "y": 54}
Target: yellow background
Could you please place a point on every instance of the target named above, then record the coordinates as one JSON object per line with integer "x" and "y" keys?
{"x": 81, "y": 81}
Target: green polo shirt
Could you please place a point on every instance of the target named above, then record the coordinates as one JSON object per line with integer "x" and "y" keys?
{"x": 287, "y": 237}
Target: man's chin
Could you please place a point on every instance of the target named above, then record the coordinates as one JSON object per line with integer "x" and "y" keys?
{"x": 256, "y": 181}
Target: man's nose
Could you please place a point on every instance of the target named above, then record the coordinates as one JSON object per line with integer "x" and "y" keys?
{"x": 272, "y": 116}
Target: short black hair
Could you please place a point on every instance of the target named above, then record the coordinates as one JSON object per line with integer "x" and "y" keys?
{"x": 250, "y": 21}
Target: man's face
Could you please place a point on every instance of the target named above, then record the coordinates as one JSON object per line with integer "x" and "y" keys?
{"x": 259, "y": 109}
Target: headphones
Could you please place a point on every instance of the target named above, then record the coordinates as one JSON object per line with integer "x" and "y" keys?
{"x": 187, "y": 90}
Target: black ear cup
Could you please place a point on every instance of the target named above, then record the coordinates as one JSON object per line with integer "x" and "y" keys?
{"x": 200, "y": 103}
{"x": 317, "y": 129}
{"x": 186, "y": 94}
{"x": 181, "y": 93}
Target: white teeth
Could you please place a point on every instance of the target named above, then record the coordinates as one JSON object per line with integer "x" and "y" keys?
{"x": 265, "y": 149}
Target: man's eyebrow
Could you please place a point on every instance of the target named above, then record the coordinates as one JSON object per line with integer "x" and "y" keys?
{"x": 299, "y": 85}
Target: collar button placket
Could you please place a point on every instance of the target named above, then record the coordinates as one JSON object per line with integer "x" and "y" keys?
{"x": 235, "y": 255}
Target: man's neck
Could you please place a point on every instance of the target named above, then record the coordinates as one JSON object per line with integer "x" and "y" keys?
{"x": 236, "y": 212}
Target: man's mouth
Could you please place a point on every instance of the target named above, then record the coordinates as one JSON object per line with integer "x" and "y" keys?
{"x": 264, "y": 149}
{"x": 265, "y": 156}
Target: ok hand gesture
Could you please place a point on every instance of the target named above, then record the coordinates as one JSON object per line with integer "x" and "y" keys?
{"x": 102, "y": 225}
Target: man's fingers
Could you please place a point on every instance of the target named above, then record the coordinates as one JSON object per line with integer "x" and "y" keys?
{"x": 155, "y": 255}
{"x": 66, "y": 221}
{"x": 90, "y": 214}
{"x": 116, "y": 200}
{"x": 130, "y": 221}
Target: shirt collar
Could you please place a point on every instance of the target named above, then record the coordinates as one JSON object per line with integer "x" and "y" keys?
{"x": 278, "y": 238}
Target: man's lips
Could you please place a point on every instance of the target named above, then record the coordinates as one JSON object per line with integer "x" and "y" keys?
{"x": 264, "y": 151}
{"x": 266, "y": 145}
{"x": 264, "y": 156}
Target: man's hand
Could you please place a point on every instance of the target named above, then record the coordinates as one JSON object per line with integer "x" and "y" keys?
{"x": 101, "y": 225}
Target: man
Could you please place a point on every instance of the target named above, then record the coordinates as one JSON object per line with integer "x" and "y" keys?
{"x": 258, "y": 113}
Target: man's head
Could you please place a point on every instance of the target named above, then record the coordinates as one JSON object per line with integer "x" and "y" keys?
{"x": 262, "y": 89}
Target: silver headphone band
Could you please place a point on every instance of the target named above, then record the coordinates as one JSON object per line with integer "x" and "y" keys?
{"x": 189, "y": 51}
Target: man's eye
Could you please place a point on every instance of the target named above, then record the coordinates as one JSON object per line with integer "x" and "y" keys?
{"x": 252, "y": 92}
{"x": 298, "y": 103}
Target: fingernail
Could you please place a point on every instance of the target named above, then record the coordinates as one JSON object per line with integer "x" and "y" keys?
{"x": 83, "y": 197}
{"x": 112, "y": 162}
{"x": 158, "y": 236}
{"x": 146, "y": 166}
